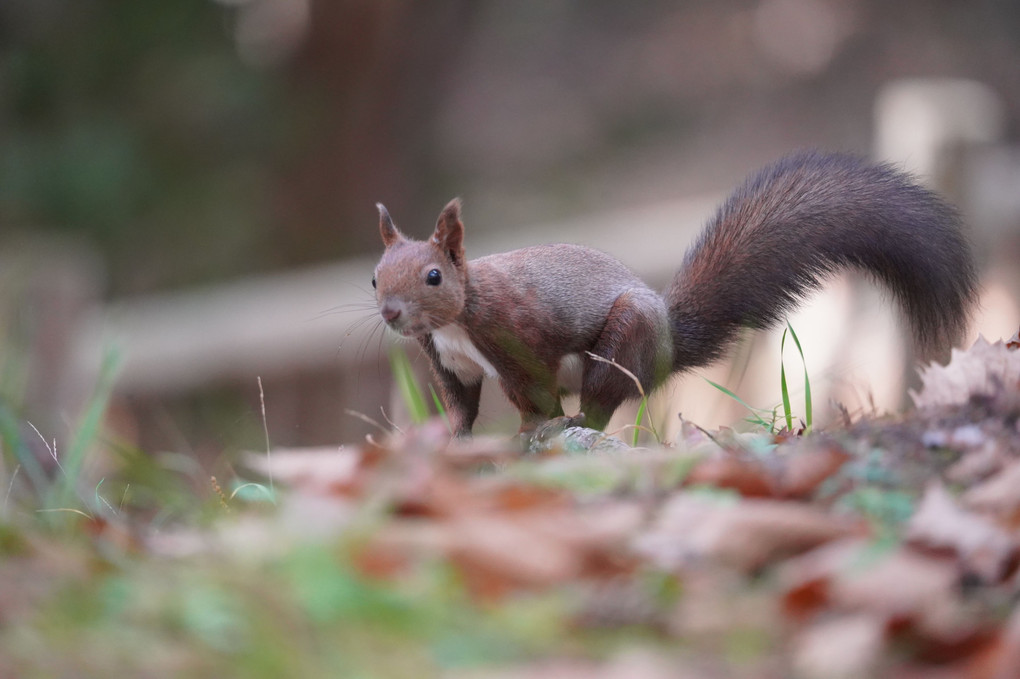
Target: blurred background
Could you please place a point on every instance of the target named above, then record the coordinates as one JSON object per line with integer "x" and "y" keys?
{"x": 191, "y": 184}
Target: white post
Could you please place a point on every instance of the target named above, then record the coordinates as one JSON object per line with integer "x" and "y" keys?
{"x": 922, "y": 124}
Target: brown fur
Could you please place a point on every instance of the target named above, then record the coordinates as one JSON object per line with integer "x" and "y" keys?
{"x": 776, "y": 238}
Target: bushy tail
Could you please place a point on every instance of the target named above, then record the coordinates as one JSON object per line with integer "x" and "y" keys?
{"x": 804, "y": 217}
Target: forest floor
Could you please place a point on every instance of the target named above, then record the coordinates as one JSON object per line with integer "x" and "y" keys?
{"x": 884, "y": 548}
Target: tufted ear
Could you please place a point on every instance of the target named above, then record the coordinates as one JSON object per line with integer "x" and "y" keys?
{"x": 389, "y": 232}
{"x": 449, "y": 233}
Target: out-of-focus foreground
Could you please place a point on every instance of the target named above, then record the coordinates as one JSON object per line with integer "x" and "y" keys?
{"x": 187, "y": 234}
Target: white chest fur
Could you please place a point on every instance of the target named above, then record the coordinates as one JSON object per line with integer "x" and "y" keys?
{"x": 458, "y": 354}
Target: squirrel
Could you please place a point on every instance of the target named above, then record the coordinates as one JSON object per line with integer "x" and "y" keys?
{"x": 536, "y": 318}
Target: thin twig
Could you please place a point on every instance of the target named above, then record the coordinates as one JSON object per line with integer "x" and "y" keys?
{"x": 66, "y": 509}
{"x": 102, "y": 499}
{"x": 52, "y": 449}
{"x": 365, "y": 418}
{"x": 637, "y": 383}
{"x": 389, "y": 421}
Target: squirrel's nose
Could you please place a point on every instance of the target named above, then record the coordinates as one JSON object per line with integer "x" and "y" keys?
{"x": 390, "y": 312}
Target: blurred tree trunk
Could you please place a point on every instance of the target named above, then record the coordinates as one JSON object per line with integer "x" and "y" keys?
{"x": 371, "y": 76}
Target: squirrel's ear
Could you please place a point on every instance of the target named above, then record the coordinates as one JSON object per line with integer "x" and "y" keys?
{"x": 449, "y": 234}
{"x": 389, "y": 232}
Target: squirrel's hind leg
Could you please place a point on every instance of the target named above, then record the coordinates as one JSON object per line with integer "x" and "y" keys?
{"x": 636, "y": 337}
{"x": 532, "y": 390}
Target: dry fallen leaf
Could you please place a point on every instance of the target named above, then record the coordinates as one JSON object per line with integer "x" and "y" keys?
{"x": 596, "y": 527}
{"x": 834, "y": 602}
{"x": 844, "y": 647}
{"x": 746, "y": 535}
{"x": 795, "y": 475}
{"x": 910, "y": 591}
{"x": 1014, "y": 341}
{"x": 983, "y": 549}
{"x": 802, "y": 473}
{"x": 1001, "y": 658}
{"x": 499, "y": 553}
{"x": 984, "y": 369}
{"x": 998, "y": 496}
{"x": 480, "y": 451}
{"x": 741, "y": 473}
{"x": 806, "y": 581}
{"x": 320, "y": 471}
{"x": 976, "y": 464}
{"x": 394, "y": 548}
{"x": 900, "y": 585}
{"x": 915, "y": 595}
{"x": 715, "y": 602}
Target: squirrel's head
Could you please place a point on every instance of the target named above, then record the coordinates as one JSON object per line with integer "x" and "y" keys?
{"x": 419, "y": 285}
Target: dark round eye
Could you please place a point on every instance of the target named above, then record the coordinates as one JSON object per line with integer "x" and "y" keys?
{"x": 373, "y": 282}
{"x": 433, "y": 277}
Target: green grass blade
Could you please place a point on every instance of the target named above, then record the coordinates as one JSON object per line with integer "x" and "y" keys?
{"x": 65, "y": 487}
{"x": 640, "y": 390}
{"x": 755, "y": 417}
{"x": 787, "y": 409}
{"x": 637, "y": 421}
{"x": 439, "y": 407}
{"x": 13, "y": 443}
{"x": 410, "y": 391}
{"x": 808, "y": 412}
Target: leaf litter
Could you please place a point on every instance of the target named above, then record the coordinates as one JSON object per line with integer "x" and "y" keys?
{"x": 888, "y": 548}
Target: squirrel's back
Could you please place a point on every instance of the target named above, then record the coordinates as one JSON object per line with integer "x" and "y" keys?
{"x": 802, "y": 218}
{"x": 560, "y": 292}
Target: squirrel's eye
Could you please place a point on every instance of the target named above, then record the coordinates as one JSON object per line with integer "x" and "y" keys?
{"x": 373, "y": 282}
{"x": 433, "y": 277}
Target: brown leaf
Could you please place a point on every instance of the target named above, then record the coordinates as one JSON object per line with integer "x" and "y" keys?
{"x": 501, "y": 495}
{"x": 498, "y": 554}
{"x": 715, "y": 603}
{"x": 322, "y": 471}
{"x": 899, "y": 585}
{"x": 845, "y": 646}
{"x": 807, "y": 580}
{"x": 998, "y": 496}
{"x": 480, "y": 451}
{"x": 600, "y": 534}
{"x": 796, "y": 475}
{"x": 500, "y": 551}
{"x": 747, "y": 535}
{"x": 917, "y": 597}
{"x": 976, "y": 463}
{"x": 743, "y": 474}
{"x": 1001, "y": 658}
{"x": 393, "y": 549}
{"x": 913, "y": 594}
{"x": 804, "y": 472}
{"x": 593, "y": 527}
{"x": 982, "y": 370}
{"x": 982, "y": 548}
{"x": 420, "y": 490}
{"x": 438, "y": 493}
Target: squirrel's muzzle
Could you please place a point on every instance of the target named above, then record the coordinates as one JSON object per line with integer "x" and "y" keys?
{"x": 391, "y": 311}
